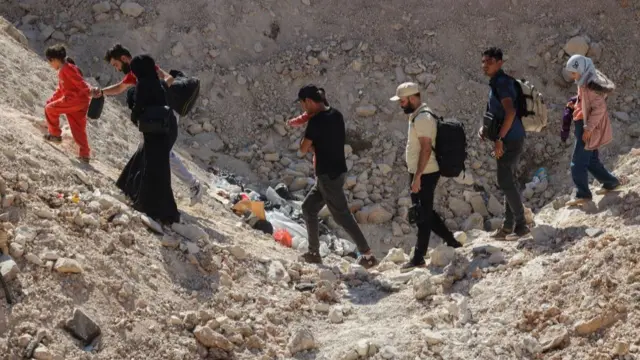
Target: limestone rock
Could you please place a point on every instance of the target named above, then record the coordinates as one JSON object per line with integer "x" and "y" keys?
{"x": 396, "y": 256}
{"x": 83, "y": 326}
{"x": 422, "y": 287}
{"x": 366, "y": 110}
{"x": 190, "y": 231}
{"x": 373, "y": 214}
{"x": 433, "y": 338}
{"x": 442, "y": 255}
{"x": 211, "y": 339}
{"x": 68, "y": 266}
{"x": 474, "y": 221}
{"x": 8, "y": 268}
{"x": 577, "y": 45}
{"x": 335, "y": 315}
{"x": 151, "y": 224}
{"x": 459, "y": 207}
{"x": 588, "y": 327}
{"x": 131, "y": 9}
{"x": 277, "y": 272}
{"x": 101, "y": 7}
{"x": 301, "y": 340}
{"x": 554, "y": 337}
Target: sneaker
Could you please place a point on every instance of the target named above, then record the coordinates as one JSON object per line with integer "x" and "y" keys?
{"x": 195, "y": 192}
{"x": 501, "y": 233}
{"x": 84, "y": 159}
{"x": 312, "y": 258}
{"x": 519, "y": 232}
{"x": 412, "y": 264}
{"x": 53, "y": 138}
{"x": 367, "y": 261}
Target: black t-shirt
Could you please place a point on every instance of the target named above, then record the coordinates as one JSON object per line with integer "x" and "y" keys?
{"x": 327, "y": 133}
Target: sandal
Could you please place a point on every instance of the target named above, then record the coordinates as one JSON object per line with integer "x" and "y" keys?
{"x": 622, "y": 181}
{"x": 577, "y": 202}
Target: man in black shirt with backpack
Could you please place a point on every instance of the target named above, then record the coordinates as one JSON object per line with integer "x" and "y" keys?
{"x": 325, "y": 136}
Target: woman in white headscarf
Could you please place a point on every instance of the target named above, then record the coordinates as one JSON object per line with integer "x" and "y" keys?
{"x": 592, "y": 129}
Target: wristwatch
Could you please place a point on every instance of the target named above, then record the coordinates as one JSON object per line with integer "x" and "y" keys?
{"x": 499, "y": 139}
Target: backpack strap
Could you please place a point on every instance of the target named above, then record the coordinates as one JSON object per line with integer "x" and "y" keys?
{"x": 438, "y": 118}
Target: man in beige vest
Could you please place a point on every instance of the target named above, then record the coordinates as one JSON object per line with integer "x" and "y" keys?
{"x": 423, "y": 169}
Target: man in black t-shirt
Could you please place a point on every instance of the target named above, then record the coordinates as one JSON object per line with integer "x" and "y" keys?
{"x": 325, "y": 136}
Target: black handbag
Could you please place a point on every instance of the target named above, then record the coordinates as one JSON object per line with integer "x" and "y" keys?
{"x": 155, "y": 119}
{"x": 95, "y": 108}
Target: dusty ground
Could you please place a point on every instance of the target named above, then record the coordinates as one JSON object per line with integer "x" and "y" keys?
{"x": 212, "y": 288}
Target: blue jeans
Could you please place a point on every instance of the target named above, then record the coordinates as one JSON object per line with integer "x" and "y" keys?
{"x": 585, "y": 162}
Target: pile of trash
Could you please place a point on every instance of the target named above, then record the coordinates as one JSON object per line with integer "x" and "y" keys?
{"x": 277, "y": 212}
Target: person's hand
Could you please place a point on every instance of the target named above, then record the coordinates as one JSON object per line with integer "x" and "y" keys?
{"x": 96, "y": 92}
{"x": 499, "y": 150}
{"x": 586, "y": 135}
{"x": 570, "y": 105}
{"x": 481, "y": 133}
{"x": 415, "y": 185}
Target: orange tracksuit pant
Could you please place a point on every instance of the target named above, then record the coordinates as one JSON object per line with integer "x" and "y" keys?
{"x": 76, "y": 112}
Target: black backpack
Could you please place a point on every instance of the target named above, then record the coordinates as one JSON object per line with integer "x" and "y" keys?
{"x": 451, "y": 146}
{"x": 183, "y": 93}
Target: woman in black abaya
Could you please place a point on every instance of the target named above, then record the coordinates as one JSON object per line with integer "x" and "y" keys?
{"x": 146, "y": 179}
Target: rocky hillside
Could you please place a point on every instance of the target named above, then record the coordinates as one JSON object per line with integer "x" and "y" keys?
{"x": 253, "y": 55}
{"x": 91, "y": 278}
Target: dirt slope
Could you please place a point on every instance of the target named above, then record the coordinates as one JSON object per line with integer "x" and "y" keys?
{"x": 221, "y": 291}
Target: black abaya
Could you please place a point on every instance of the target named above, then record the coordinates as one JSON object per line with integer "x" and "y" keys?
{"x": 146, "y": 179}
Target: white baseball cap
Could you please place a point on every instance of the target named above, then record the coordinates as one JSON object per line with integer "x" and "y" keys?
{"x": 406, "y": 89}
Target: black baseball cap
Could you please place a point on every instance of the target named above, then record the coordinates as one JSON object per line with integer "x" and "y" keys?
{"x": 311, "y": 92}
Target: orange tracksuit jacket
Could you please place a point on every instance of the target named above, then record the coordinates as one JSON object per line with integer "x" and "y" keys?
{"x": 72, "y": 99}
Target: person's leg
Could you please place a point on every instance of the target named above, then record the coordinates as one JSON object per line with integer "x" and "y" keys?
{"x": 579, "y": 164}
{"x": 78, "y": 126}
{"x": 428, "y": 184}
{"x": 181, "y": 171}
{"x": 333, "y": 193}
{"x": 507, "y": 165}
{"x": 311, "y": 207}
{"x": 440, "y": 228}
{"x": 52, "y": 112}
{"x": 597, "y": 169}
{"x": 177, "y": 166}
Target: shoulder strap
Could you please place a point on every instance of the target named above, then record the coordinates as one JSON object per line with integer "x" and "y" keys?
{"x": 438, "y": 118}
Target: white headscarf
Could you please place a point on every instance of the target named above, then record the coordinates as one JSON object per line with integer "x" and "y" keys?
{"x": 583, "y": 66}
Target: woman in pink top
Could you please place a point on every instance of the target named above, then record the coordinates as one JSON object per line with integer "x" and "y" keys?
{"x": 592, "y": 129}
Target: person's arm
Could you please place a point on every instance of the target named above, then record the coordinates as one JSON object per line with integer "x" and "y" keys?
{"x": 507, "y": 95}
{"x": 73, "y": 80}
{"x": 163, "y": 75}
{"x": 306, "y": 144}
{"x": 116, "y": 89}
{"x": 425, "y": 127}
{"x": 57, "y": 95}
{"x": 596, "y": 112}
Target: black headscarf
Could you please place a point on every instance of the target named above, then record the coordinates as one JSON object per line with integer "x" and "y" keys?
{"x": 144, "y": 67}
{"x": 149, "y": 90}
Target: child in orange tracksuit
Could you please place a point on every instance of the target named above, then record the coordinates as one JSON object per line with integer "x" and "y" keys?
{"x": 71, "y": 98}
